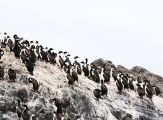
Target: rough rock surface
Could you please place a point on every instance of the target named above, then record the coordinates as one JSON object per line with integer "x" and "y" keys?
{"x": 83, "y": 106}
{"x": 136, "y": 71}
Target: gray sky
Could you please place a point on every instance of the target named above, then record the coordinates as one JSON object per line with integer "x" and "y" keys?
{"x": 127, "y": 32}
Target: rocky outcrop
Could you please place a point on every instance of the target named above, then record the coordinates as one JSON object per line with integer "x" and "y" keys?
{"x": 83, "y": 105}
{"x": 136, "y": 72}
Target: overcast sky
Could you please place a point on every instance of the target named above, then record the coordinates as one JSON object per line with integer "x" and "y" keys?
{"x": 127, "y": 32}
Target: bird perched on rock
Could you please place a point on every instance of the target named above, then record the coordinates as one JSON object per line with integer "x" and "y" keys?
{"x": 141, "y": 90}
{"x": 104, "y": 90}
{"x": 156, "y": 89}
{"x": 2, "y": 73}
{"x": 119, "y": 83}
{"x": 19, "y": 109}
{"x": 74, "y": 74}
{"x": 148, "y": 90}
{"x": 76, "y": 57}
{"x": 29, "y": 66}
{"x": 58, "y": 104}
{"x": 12, "y": 74}
{"x": 70, "y": 80}
{"x": 25, "y": 114}
{"x": 97, "y": 93}
{"x": 34, "y": 83}
{"x": 131, "y": 85}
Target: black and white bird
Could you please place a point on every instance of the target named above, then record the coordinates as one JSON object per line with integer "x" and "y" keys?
{"x": 17, "y": 48}
{"x": 34, "y": 83}
{"x": 130, "y": 83}
{"x": 148, "y": 90}
{"x": 86, "y": 68}
{"x": 94, "y": 75}
{"x": 76, "y": 57}
{"x": 24, "y": 54}
{"x": 113, "y": 74}
{"x": 29, "y": 66}
{"x": 104, "y": 90}
{"x": 78, "y": 68}
{"x": 2, "y": 73}
{"x": 102, "y": 74}
{"x": 12, "y": 74}
{"x": 51, "y": 56}
{"x": 60, "y": 52}
{"x": 157, "y": 90}
{"x": 25, "y": 43}
{"x": 71, "y": 76}
{"x": 25, "y": 113}
{"x": 73, "y": 73}
{"x": 119, "y": 83}
{"x": 32, "y": 55}
{"x": 97, "y": 93}
{"x": 141, "y": 90}
{"x": 60, "y": 59}
{"x": 58, "y": 104}
{"x": 125, "y": 81}
{"x": 106, "y": 76}
{"x": 70, "y": 80}
{"x": 42, "y": 54}
{"x": 19, "y": 109}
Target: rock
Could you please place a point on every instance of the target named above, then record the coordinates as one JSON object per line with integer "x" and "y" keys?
{"x": 143, "y": 118}
{"x": 136, "y": 71}
{"x": 37, "y": 107}
{"x": 117, "y": 113}
{"x": 122, "y": 69}
{"x": 48, "y": 116}
{"x": 1, "y": 115}
{"x": 23, "y": 79}
{"x": 22, "y": 94}
{"x": 7, "y": 104}
{"x": 81, "y": 104}
{"x": 2, "y": 90}
{"x": 153, "y": 78}
{"x": 13, "y": 105}
{"x": 4, "y": 104}
{"x": 127, "y": 117}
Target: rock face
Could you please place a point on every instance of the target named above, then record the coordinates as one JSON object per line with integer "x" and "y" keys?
{"x": 136, "y": 71}
{"x": 154, "y": 79}
{"x": 83, "y": 106}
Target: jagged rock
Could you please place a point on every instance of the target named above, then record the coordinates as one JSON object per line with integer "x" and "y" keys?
{"x": 121, "y": 115}
{"x": 101, "y": 62}
{"x": 12, "y": 106}
{"x": 136, "y": 71}
{"x": 2, "y": 90}
{"x": 38, "y": 107}
{"x": 117, "y": 113}
{"x": 22, "y": 94}
{"x": 7, "y": 104}
{"x": 83, "y": 105}
{"x": 154, "y": 79}
{"x": 11, "y": 91}
{"x": 23, "y": 79}
{"x": 127, "y": 117}
{"x": 48, "y": 116}
{"x": 143, "y": 118}
{"x": 4, "y": 104}
{"x": 1, "y": 115}
{"x": 122, "y": 69}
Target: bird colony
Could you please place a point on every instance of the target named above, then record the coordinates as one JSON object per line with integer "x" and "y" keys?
{"x": 41, "y": 83}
